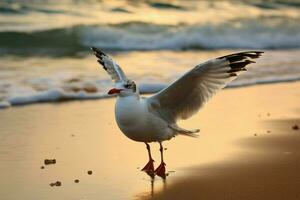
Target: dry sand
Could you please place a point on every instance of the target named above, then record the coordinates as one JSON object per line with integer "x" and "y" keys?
{"x": 247, "y": 149}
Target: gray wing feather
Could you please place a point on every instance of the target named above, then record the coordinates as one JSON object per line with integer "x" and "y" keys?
{"x": 190, "y": 92}
{"x": 110, "y": 66}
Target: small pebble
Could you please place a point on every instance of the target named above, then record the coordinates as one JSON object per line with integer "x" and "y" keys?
{"x": 57, "y": 183}
{"x": 76, "y": 181}
{"x": 49, "y": 161}
{"x": 268, "y": 131}
{"x": 255, "y": 134}
{"x": 295, "y": 127}
{"x": 89, "y": 172}
{"x": 42, "y": 167}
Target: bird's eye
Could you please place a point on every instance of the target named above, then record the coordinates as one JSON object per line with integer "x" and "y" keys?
{"x": 127, "y": 86}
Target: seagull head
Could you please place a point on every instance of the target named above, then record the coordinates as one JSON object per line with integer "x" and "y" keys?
{"x": 127, "y": 88}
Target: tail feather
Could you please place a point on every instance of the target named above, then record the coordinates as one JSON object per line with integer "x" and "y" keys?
{"x": 185, "y": 132}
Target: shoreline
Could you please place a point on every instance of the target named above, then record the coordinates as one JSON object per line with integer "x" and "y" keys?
{"x": 65, "y": 97}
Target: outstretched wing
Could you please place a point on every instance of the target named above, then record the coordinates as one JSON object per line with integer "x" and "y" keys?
{"x": 112, "y": 68}
{"x": 186, "y": 95}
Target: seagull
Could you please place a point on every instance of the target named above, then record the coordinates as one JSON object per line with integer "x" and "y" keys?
{"x": 154, "y": 119}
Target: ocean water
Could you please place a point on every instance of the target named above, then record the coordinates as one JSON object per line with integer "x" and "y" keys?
{"x": 45, "y": 45}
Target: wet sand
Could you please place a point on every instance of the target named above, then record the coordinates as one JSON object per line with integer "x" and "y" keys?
{"x": 246, "y": 150}
{"x": 269, "y": 171}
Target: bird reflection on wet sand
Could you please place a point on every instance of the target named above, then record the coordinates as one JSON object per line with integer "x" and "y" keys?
{"x": 152, "y": 181}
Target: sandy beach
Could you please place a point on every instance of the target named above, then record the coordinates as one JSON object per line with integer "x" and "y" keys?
{"x": 58, "y": 135}
{"x": 247, "y": 149}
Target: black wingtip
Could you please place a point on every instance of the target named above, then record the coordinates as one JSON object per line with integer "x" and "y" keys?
{"x": 232, "y": 74}
{"x": 102, "y": 63}
{"x": 94, "y": 49}
{"x": 261, "y": 52}
{"x": 239, "y": 61}
{"x": 97, "y": 52}
{"x": 242, "y": 55}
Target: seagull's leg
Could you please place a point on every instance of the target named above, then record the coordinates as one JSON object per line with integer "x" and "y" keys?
{"x": 161, "y": 169}
{"x": 149, "y": 167}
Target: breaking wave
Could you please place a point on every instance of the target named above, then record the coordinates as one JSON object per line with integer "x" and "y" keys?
{"x": 264, "y": 33}
{"x": 94, "y": 91}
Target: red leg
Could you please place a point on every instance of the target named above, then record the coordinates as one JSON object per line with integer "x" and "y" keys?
{"x": 149, "y": 167}
{"x": 161, "y": 169}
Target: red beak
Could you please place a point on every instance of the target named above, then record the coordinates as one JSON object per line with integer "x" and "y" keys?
{"x": 114, "y": 91}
